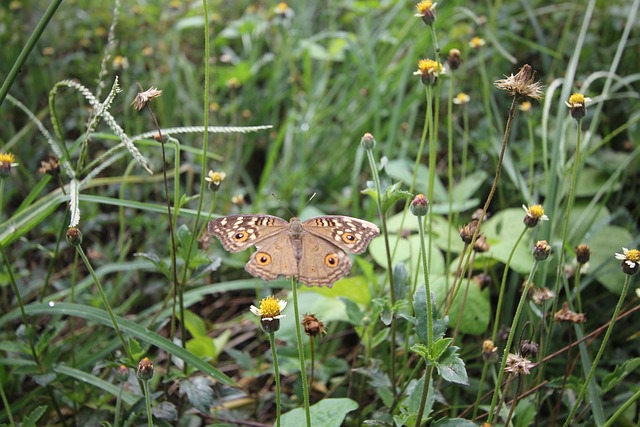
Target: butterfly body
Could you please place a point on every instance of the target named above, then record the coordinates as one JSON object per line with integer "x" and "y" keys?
{"x": 314, "y": 251}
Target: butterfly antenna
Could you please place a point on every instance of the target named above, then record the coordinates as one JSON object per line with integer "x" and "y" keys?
{"x": 282, "y": 204}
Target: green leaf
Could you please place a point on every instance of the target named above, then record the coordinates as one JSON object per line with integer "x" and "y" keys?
{"x": 199, "y": 392}
{"x": 454, "y": 422}
{"x": 354, "y": 314}
{"x": 613, "y": 379}
{"x": 605, "y": 243}
{"x": 161, "y": 264}
{"x": 451, "y": 367}
{"x": 87, "y": 378}
{"x": 31, "y": 420}
{"x": 439, "y": 347}
{"x": 477, "y": 308}
{"x": 420, "y": 349}
{"x": 402, "y": 169}
{"x": 127, "y": 327}
{"x": 194, "y": 324}
{"x": 326, "y": 413}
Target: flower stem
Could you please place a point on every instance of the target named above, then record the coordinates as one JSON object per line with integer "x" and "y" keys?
{"x": 276, "y": 373}
{"x": 512, "y": 333}
{"x": 427, "y": 286}
{"x": 428, "y": 373}
{"x": 147, "y": 401}
{"x": 603, "y": 345}
{"x": 303, "y": 365}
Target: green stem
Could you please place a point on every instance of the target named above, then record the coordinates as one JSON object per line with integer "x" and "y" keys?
{"x": 512, "y": 333}
{"x": 276, "y": 373}
{"x": 147, "y": 401}
{"x": 622, "y": 409}
{"x": 303, "y": 365}
{"x": 503, "y": 283}
{"x": 7, "y": 407}
{"x": 428, "y": 373}
{"x": 427, "y": 286}
{"x": 26, "y": 50}
{"x": 105, "y": 302}
{"x": 603, "y": 345}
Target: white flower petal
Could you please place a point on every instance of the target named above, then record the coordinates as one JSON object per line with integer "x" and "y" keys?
{"x": 255, "y": 310}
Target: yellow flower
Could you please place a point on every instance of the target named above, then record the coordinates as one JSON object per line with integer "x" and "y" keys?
{"x": 461, "y": 99}
{"x": 630, "y": 260}
{"x": 270, "y": 313}
{"x": 578, "y": 105}
{"x": 283, "y": 11}
{"x": 477, "y": 42}
{"x": 521, "y": 84}
{"x": 7, "y": 161}
{"x": 120, "y": 63}
{"x": 534, "y": 214}
{"x": 429, "y": 70}
{"x": 426, "y": 11}
{"x": 525, "y": 106}
{"x": 215, "y": 179}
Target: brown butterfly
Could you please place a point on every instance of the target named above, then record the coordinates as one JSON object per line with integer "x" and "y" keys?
{"x": 314, "y": 251}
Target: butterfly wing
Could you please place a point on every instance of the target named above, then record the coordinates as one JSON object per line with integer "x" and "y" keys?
{"x": 239, "y": 232}
{"x": 349, "y": 234}
{"x": 322, "y": 263}
{"x": 275, "y": 256}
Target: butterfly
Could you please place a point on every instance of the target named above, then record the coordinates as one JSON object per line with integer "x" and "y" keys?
{"x": 314, "y": 251}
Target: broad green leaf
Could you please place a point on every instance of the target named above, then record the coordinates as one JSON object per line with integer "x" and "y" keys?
{"x": 605, "y": 243}
{"x": 613, "y": 379}
{"x": 454, "y": 422}
{"x": 451, "y": 367}
{"x": 477, "y": 307}
{"x": 402, "y": 169}
{"x": 107, "y": 386}
{"x": 439, "y": 347}
{"x": 34, "y": 416}
{"x": 194, "y": 324}
{"x": 199, "y": 392}
{"x": 326, "y": 413}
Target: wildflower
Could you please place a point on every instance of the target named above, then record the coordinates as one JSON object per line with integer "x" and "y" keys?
{"x": 122, "y": 373}
{"x": 7, "y": 161}
{"x": 518, "y": 365}
{"x": 48, "y": 51}
{"x": 522, "y": 84}
{"x": 145, "y": 369}
{"x": 583, "y": 253}
{"x": 215, "y": 179}
{"x": 565, "y": 314}
{"x": 312, "y": 326}
{"x": 367, "y": 141}
{"x": 120, "y": 62}
{"x": 142, "y": 98}
{"x": 233, "y": 83}
{"x": 578, "y": 105}
{"x": 426, "y": 11}
{"x": 238, "y": 199}
{"x": 489, "y": 351}
{"x": 419, "y": 205}
{"x": 529, "y": 348}
{"x": 630, "y": 261}
{"x": 51, "y": 166}
{"x": 540, "y": 295}
{"x": 147, "y": 51}
{"x": 429, "y": 70}
{"x": 270, "y": 313}
{"x": 454, "y": 60}
{"x": 525, "y": 106}
{"x": 283, "y": 11}
{"x": 477, "y": 42}
{"x": 467, "y": 231}
{"x": 74, "y": 236}
{"x": 482, "y": 280}
{"x": 541, "y": 250}
{"x": 534, "y": 215}
{"x": 461, "y": 99}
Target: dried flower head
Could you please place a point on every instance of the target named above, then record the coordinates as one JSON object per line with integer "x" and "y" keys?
{"x": 541, "y": 250}
{"x": 477, "y": 42}
{"x": 74, "y": 236}
{"x": 50, "y": 166}
{"x": 454, "y": 60}
{"x": 583, "y": 253}
{"x": 467, "y": 232}
{"x": 630, "y": 261}
{"x": 534, "y": 214}
{"x": 270, "y": 313}
{"x": 540, "y": 295}
{"x": 419, "y": 205}
{"x": 518, "y": 365}
{"x": 145, "y": 369}
{"x": 529, "y": 348}
{"x": 565, "y": 314}
{"x": 489, "y": 351}
{"x": 7, "y": 161}
{"x": 483, "y": 280}
{"x": 312, "y": 326}
{"x": 578, "y": 105}
{"x": 522, "y": 84}
{"x": 427, "y": 11}
{"x": 215, "y": 179}
{"x": 477, "y": 214}
{"x": 142, "y": 98}
{"x": 461, "y": 99}
{"x": 481, "y": 245}
{"x": 429, "y": 71}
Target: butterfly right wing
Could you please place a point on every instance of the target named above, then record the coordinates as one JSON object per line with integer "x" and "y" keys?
{"x": 239, "y": 232}
{"x": 275, "y": 256}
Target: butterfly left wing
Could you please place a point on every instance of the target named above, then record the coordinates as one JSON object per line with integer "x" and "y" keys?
{"x": 321, "y": 262}
{"x": 239, "y": 232}
{"x": 347, "y": 233}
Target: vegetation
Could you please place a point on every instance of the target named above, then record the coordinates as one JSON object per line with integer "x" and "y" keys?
{"x": 127, "y": 126}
